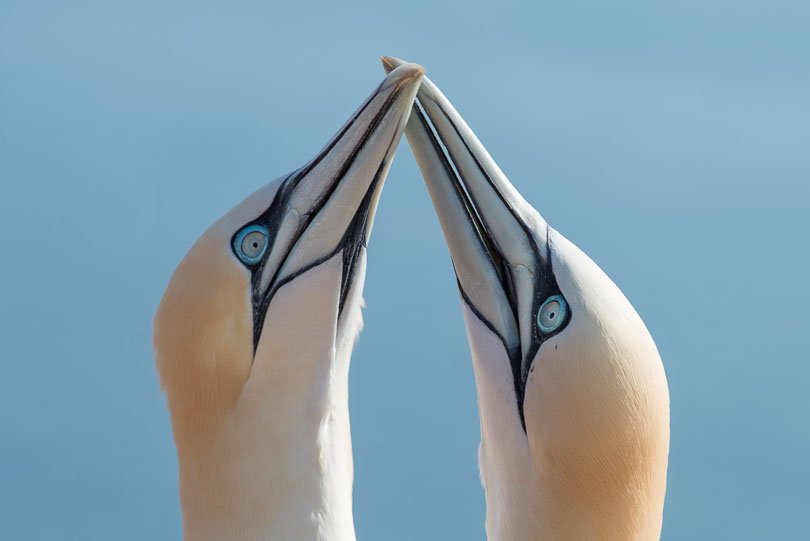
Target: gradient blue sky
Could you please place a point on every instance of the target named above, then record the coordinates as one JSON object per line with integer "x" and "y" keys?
{"x": 670, "y": 141}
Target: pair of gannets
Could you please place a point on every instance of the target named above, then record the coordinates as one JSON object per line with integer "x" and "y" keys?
{"x": 254, "y": 335}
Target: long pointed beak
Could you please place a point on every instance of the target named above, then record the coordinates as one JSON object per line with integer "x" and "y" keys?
{"x": 328, "y": 205}
{"x": 497, "y": 241}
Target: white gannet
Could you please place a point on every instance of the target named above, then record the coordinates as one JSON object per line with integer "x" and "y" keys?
{"x": 572, "y": 395}
{"x": 254, "y": 335}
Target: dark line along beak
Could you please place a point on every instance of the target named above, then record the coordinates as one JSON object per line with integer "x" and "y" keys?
{"x": 497, "y": 241}
{"x": 329, "y": 204}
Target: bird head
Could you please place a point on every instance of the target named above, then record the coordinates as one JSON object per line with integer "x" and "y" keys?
{"x": 270, "y": 294}
{"x": 570, "y": 383}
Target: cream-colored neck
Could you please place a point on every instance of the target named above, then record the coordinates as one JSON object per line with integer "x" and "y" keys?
{"x": 263, "y": 435}
{"x": 568, "y": 477}
{"x": 527, "y": 500}
{"x": 553, "y": 509}
{"x": 251, "y": 478}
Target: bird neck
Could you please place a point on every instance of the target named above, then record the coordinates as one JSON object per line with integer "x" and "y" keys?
{"x": 527, "y": 500}
{"x": 610, "y": 491}
{"x": 263, "y": 435}
{"x": 276, "y": 462}
{"x": 250, "y": 477}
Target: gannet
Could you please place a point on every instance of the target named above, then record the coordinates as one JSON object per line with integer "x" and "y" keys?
{"x": 572, "y": 396}
{"x": 254, "y": 335}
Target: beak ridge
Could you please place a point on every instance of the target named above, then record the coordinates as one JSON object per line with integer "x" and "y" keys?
{"x": 330, "y": 202}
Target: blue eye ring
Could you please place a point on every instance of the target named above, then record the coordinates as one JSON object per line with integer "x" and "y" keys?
{"x": 253, "y": 254}
{"x": 549, "y": 318}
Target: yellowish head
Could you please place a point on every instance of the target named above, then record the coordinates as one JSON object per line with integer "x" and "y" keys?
{"x": 572, "y": 393}
{"x": 254, "y": 334}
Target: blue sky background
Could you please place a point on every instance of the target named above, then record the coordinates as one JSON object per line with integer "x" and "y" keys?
{"x": 670, "y": 141}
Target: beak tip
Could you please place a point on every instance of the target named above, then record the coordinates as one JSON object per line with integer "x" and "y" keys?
{"x": 390, "y": 63}
{"x": 403, "y": 73}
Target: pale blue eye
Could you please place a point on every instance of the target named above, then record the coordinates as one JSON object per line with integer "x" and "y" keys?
{"x": 552, "y": 314}
{"x": 250, "y": 244}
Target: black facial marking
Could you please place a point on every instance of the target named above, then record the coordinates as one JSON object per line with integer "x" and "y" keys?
{"x": 353, "y": 241}
{"x": 545, "y": 284}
